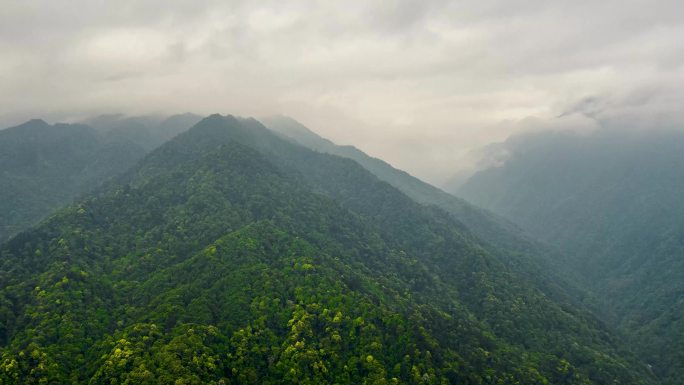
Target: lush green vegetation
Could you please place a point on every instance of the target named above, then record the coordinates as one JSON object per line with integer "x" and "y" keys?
{"x": 494, "y": 230}
{"x": 532, "y": 259}
{"x": 612, "y": 201}
{"x": 44, "y": 167}
{"x": 231, "y": 256}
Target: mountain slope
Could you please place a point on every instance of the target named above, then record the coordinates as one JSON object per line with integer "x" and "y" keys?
{"x": 494, "y": 230}
{"x": 534, "y": 260}
{"x": 231, "y": 256}
{"x": 44, "y": 167}
{"x": 613, "y": 202}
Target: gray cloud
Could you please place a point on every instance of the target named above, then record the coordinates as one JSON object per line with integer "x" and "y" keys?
{"x": 418, "y": 83}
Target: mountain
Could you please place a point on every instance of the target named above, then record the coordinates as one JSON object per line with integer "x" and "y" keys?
{"x": 44, "y": 167}
{"x": 491, "y": 228}
{"x": 612, "y": 201}
{"x": 516, "y": 248}
{"x": 229, "y": 255}
{"x": 146, "y": 131}
{"x": 47, "y": 166}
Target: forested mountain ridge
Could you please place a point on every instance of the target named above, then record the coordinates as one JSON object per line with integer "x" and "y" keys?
{"x": 494, "y": 230}
{"x": 612, "y": 200}
{"x": 230, "y": 256}
{"x": 44, "y": 167}
{"x": 516, "y": 248}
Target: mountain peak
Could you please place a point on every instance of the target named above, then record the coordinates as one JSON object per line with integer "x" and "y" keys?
{"x": 37, "y": 121}
{"x": 214, "y": 116}
{"x": 289, "y": 126}
{"x": 34, "y": 123}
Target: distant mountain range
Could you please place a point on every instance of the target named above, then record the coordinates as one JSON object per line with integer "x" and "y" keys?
{"x": 146, "y": 131}
{"x": 44, "y": 166}
{"x": 613, "y": 202}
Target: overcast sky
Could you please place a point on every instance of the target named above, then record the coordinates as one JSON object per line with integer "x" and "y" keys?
{"x": 418, "y": 83}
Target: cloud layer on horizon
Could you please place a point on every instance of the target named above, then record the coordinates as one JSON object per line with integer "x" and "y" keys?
{"x": 419, "y": 84}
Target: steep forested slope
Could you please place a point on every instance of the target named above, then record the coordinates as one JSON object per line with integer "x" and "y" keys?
{"x": 614, "y": 202}
{"x": 535, "y": 260}
{"x": 43, "y": 167}
{"x": 494, "y": 230}
{"x": 231, "y": 256}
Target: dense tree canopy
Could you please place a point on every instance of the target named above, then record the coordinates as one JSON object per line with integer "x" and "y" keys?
{"x": 44, "y": 167}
